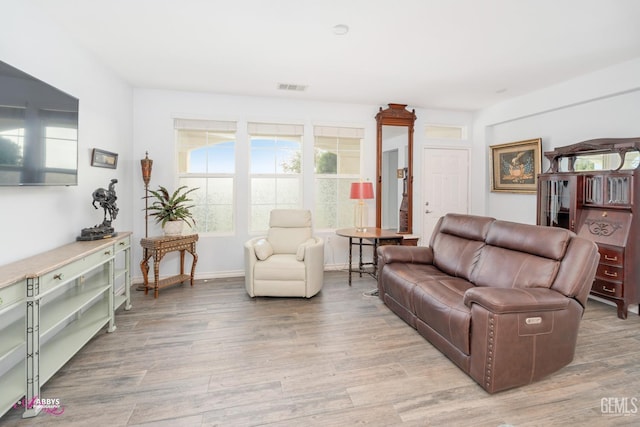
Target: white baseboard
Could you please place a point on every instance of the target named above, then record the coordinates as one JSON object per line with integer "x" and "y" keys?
{"x": 135, "y": 280}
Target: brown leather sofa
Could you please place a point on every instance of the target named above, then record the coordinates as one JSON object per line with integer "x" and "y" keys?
{"x": 502, "y": 300}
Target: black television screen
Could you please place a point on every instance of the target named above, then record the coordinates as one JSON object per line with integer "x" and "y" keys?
{"x": 38, "y": 131}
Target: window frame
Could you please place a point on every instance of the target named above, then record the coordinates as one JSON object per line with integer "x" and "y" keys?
{"x": 338, "y": 132}
{"x": 201, "y": 125}
{"x": 277, "y": 132}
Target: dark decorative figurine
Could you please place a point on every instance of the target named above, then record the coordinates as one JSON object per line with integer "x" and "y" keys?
{"x": 107, "y": 200}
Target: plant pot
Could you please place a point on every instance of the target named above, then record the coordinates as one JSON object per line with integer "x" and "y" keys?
{"x": 173, "y": 228}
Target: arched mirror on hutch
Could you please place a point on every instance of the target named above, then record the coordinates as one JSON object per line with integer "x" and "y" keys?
{"x": 394, "y": 168}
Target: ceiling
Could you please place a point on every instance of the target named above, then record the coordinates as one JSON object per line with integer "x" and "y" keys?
{"x": 450, "y": 54}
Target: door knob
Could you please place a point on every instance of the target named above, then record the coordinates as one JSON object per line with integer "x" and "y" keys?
{"x": 428, "y": 211}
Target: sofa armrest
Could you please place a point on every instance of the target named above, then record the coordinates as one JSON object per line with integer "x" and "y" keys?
{"x": 519, "y": 335}
{"x": 515, "y": 300}
{"x": 406, "y": 254}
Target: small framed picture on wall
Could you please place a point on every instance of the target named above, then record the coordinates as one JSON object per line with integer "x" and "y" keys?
{"x": 104, "y": 159}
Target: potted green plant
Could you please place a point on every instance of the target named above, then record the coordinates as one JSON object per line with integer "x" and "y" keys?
{"x": 172, "y": 210}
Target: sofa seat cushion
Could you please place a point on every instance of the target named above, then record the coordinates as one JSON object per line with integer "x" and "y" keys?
{"x": 401, "y": 278}
{"x": 280, "y": 267}
{"x": 439, "y": 302}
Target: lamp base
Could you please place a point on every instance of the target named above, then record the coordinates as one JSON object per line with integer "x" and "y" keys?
{"x": 360, "y": 216}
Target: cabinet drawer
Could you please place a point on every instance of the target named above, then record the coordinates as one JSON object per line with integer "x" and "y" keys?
{"x": 611, "y": 256}
{"x": 610, "y": 289}
{"x": 610, "y": 272}
{"x": 12, "y": 294}
{"x": 72, "y": 270}
{"x": 123, "y": 244}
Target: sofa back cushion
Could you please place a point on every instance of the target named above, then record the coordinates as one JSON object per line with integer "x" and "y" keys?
{"x": 288, "y": 228}
{"x": 457, "y": 241}
{"x": 547, "y": 242}
{"x": 520, "y": 255}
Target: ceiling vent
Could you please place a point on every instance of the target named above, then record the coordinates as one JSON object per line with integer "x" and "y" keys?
{"x": 287, "y": 86}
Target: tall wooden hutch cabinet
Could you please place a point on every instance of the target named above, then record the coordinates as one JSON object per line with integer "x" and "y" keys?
{"x": 592, "y": 188}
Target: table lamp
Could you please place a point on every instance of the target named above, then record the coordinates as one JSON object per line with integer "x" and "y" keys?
{"x": 361, "y": 191}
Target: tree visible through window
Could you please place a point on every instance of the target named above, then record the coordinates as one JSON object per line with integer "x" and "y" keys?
{"x": 275, "y": 171}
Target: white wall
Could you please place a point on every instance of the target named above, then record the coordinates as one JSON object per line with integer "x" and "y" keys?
{"x": 35, "y": 219}
{"x": 43, "y": 218}
{"x": 154, "y": 111}
{"x": 598, "y": 105}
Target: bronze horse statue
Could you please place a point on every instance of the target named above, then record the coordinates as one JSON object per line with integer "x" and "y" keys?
{"x": 107, "y": 200}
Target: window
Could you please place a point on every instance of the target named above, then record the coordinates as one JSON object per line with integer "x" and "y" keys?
{"x": 206, "y": 160}
{"x": 275, "y": 171}
{"x": 46, "y": 154}
{"x": 60, "y": 147}
{"x": 337, "y": 165}
{"x": 11, "y": 136}
{"x": 446, "y": 132}
{"x": 606, "y": 161}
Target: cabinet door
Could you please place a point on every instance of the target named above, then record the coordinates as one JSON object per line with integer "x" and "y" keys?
{"x": 122, "y": 273}
{"x": 594, "y": 190}
{"x": 12, "y": 345}
{"x": 619, "y": 189}
{"x": 558, "y": 201}
{"x": 608, "y": 190}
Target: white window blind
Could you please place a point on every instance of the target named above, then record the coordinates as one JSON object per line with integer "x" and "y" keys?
{"x": 456, "y": 132}
{"x": 338, "y": 132}
{"x": 207, "y": 125}
{"x": 275, "y": 129}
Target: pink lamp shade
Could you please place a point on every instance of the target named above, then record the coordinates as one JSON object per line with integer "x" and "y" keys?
{"x": 361, "y": 190}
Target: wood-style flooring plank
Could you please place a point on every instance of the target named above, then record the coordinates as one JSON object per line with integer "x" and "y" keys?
{"x": 212, "y": 356}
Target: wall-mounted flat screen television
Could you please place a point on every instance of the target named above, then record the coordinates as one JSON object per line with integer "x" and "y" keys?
{"x": 38, "y": 131}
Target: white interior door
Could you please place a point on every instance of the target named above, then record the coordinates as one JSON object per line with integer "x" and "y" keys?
{"x": 445, "y": 186}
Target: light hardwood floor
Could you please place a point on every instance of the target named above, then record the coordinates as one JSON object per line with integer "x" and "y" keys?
{"x": 210, "y": 355}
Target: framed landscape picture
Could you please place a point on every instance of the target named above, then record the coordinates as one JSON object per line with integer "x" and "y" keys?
{"x": 515, "y": 166}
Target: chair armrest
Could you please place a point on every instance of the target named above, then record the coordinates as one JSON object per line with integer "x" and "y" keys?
{"x": 249, "y": 249}
{"x": 515, "y": 300}
{"x": 314, "y": 252}
{"x": 314, "y": 266}
{"x": 318, "y": 245}
{"x": 406, "y": 254}
{"x": 250, "y": 260}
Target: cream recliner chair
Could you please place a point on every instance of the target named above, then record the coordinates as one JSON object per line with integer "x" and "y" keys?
{"x": 289, "y": 261}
